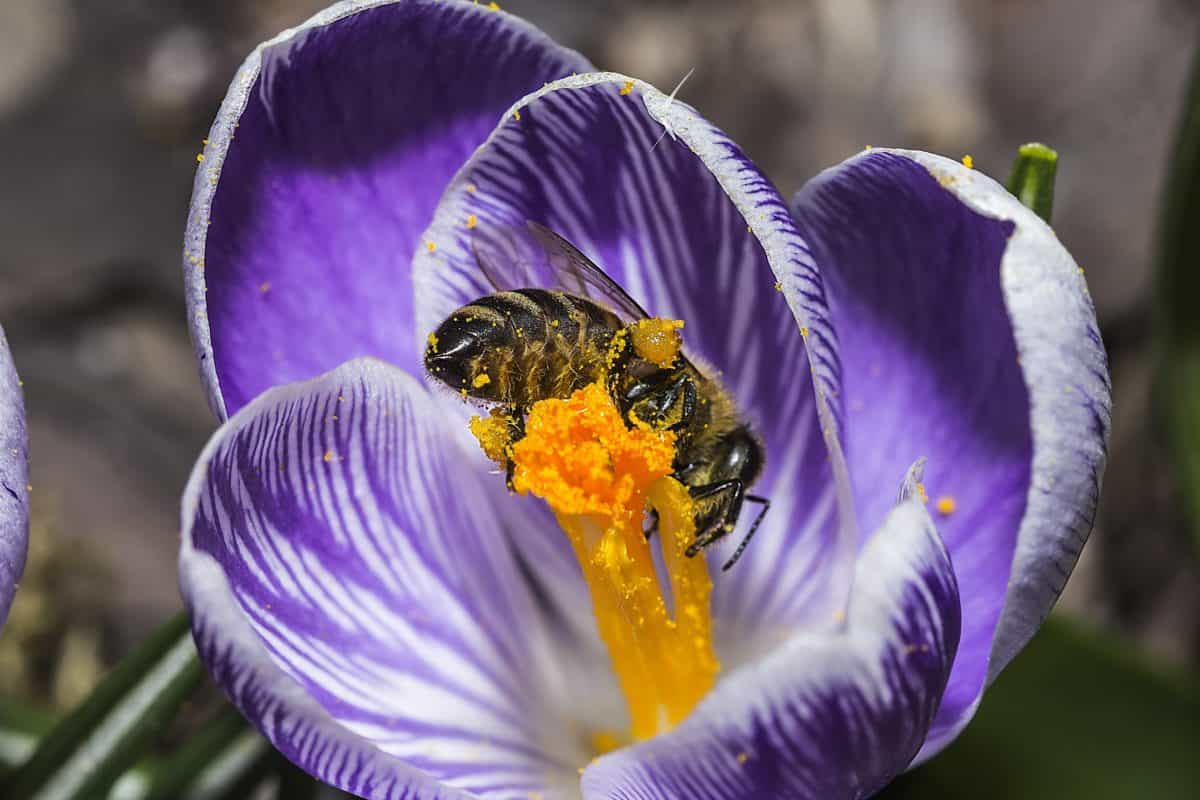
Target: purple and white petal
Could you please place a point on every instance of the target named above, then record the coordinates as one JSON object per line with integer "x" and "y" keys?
{"x": 828, "y": 716}
{"x": 14, "y": 480}
{"x": 672, "y": 210}
{"x": 965, "y": 335}
{"x": 352, "y": 593}
{"x": 326, "y": 159}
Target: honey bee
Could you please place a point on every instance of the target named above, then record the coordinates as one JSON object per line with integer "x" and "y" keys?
{"x": 522, "y": 344}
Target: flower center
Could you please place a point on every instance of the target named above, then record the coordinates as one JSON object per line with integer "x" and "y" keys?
{"x": 599, "y": 476}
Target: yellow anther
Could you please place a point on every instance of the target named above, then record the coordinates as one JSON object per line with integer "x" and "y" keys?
{"x": 472, "y": 221}
{"x": 945, "y": 505}
{"x": 778, "y": 286}
{"x": 472, "y": 188}
{"x": 481, "y": 380}
{"x": 921, "y": 493}
{"x": 657, "y": 340}
{"x": 430, "y": 246}
{"x": 432, "y": 341}
{"x": 517, "y": 115}
{"x": 494, "y": 6}
{"x": 627, "y": 88}
{"x": 328, "y": 456}
{"x": 968, "y": 162}
{"x": 199, "y": 158}
{"x": 804, "y": 332}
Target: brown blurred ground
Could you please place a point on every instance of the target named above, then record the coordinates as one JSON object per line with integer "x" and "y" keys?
{"x": 103, "y": 106}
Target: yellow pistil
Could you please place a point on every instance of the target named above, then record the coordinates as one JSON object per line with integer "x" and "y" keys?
{"x": 598, "y": 476}
{"x": 657, "y": 340}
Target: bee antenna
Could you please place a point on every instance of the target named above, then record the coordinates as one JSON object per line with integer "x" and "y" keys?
{"x": 671, "y": 99}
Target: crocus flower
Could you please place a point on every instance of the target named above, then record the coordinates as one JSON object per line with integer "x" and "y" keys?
{"x": 14, "y": 480}
{"x": 916, "y": 349}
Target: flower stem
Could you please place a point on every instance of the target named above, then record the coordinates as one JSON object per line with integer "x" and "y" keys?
{"x": 85, "y": 753}
{"x": 1176, "y": 319}
{"x": 1032, "y": 178}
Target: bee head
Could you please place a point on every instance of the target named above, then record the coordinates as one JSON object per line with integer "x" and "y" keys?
{"x": 455, "y": 352}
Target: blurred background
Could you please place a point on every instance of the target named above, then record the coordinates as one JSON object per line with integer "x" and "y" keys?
{"x": 103, "y": 107}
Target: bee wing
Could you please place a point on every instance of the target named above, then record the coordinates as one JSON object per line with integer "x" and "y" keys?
{"x": 532, "y": 255}
{"x": 590, "y": 281}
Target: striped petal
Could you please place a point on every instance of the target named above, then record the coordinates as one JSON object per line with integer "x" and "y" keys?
{"x": 831, "y": 716}
{"x": 324, "y": 164}
{"x": 672, "y": 210}
{"x": 14, "y": 480}
{"x": 352, "y": 593}
{"x": 966, "y": 335}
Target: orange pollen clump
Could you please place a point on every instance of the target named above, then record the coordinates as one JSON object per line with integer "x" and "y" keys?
{"x": 599, "y": 476}
{"x": 578, "y": 455}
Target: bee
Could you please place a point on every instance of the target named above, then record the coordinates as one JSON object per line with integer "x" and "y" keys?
{"x": 556, "y": 323}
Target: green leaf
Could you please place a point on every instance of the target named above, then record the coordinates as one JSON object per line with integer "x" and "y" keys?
{"x": 224, "y": 754}
{"x": 1032, "y": 178}
{"x": 90, "y": 748}
{"x": 1075, "y": 716}
{"x": 1177, "y": 318}
{"x": 21, "y": 728}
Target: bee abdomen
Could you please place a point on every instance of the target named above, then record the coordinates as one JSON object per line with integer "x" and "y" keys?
{"x": 523, "y": 346}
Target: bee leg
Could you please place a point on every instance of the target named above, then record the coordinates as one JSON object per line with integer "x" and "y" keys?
{"x": 641, "y": 390}
{"x": 616, "y": 372}
{"x": 661, "y": 394}
{"x": 653, "y": 529}
{"x": 741, "y": 548}
{"x": 516, "y": 432}
{"x": 723, "y": 521}
{"x": 689, "y": 405}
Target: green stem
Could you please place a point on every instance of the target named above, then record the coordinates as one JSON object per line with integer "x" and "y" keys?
{"x": 1032, "y": 178}
{"x": 21, "y": 728}
{"x": 1177, "y": 320}
{"x": 220, "y": 756}
{"x": 90, "y": 748}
